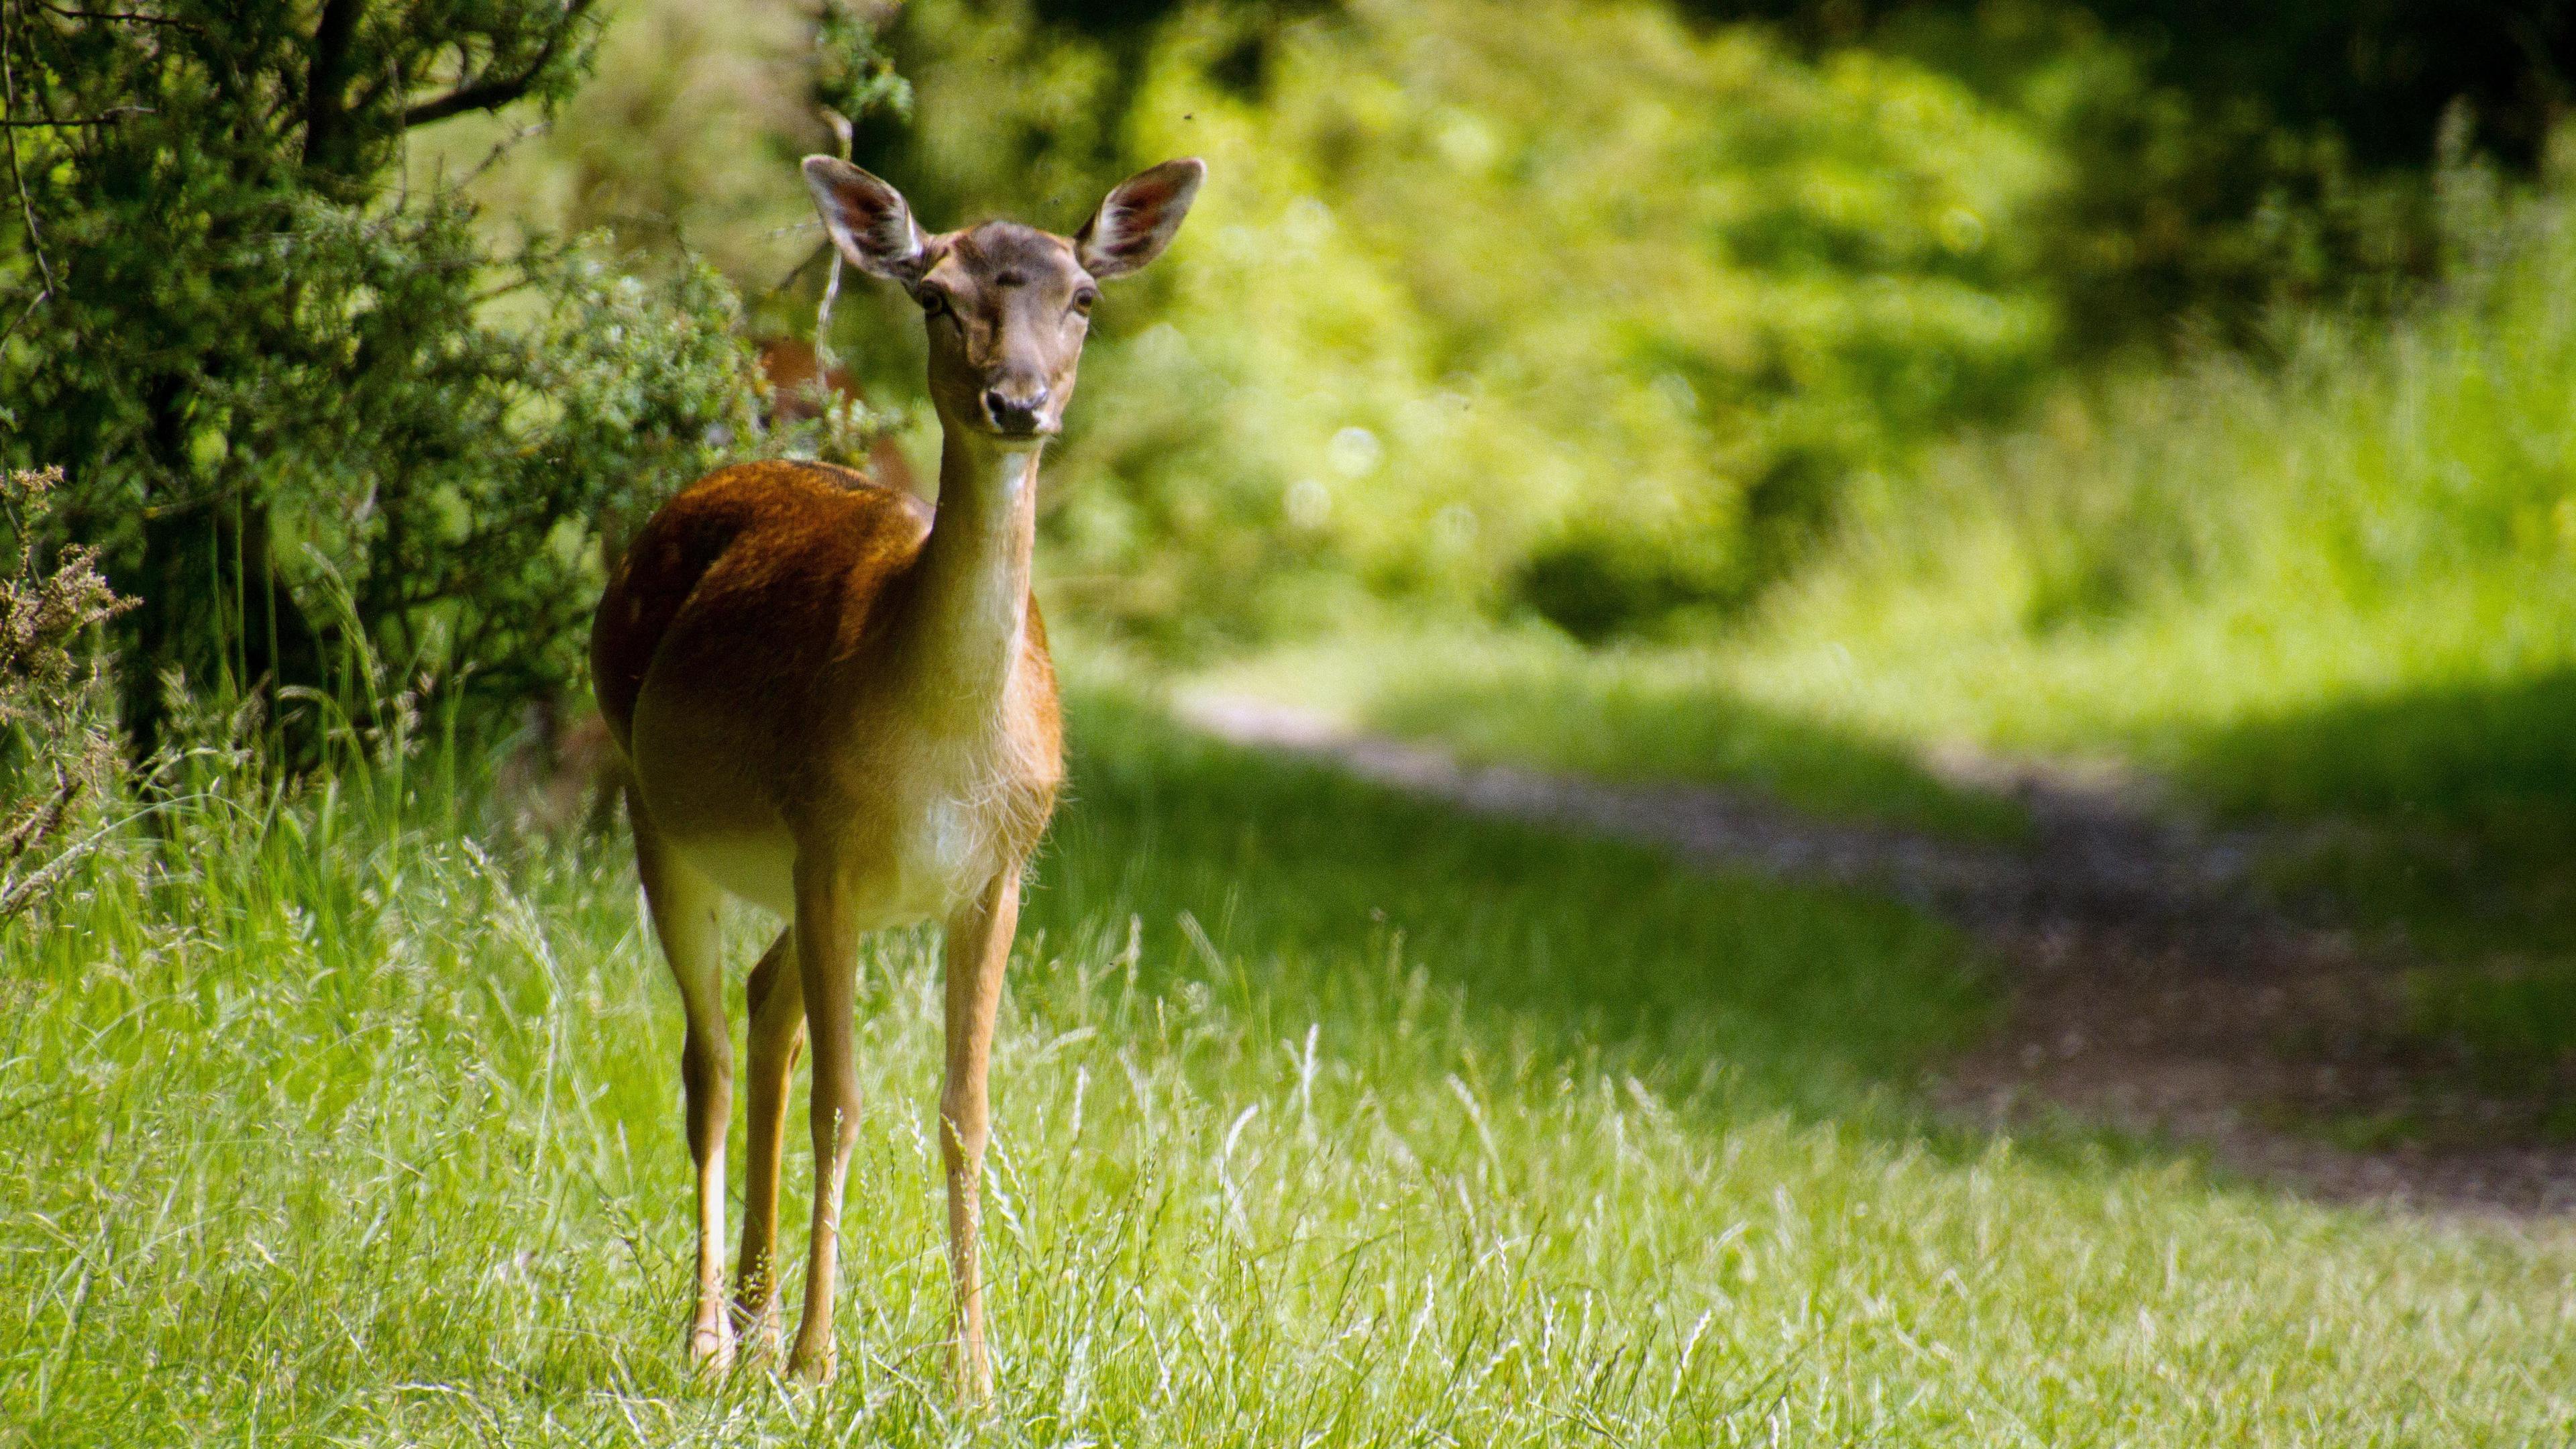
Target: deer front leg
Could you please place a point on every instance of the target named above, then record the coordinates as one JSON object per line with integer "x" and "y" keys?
{"x": 776, "y": 996}
{"x": 827, "y": 962}
{"x": 979, "y": 944}
{"x": 684, "y": 905}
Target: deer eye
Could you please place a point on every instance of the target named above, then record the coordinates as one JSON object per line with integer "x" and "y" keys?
{"x": 1083, "y": 299}
{"x": 933, "y": 301}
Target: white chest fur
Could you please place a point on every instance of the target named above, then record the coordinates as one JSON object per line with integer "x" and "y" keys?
{"x": 951, "y": 816}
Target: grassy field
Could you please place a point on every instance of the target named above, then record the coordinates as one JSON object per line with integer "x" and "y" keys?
{"x": 2437, "y": 813}
{"x": 1323, "y": 1117}
{"x": 2424, "y": 742}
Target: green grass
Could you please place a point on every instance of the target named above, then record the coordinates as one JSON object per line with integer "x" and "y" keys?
{"x": 1639, "y": 714}
{"x": 2439, "y": 809}
{"x": 1322, "y": 1117}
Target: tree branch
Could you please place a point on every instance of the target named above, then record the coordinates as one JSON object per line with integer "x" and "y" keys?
{"x": 491, "y": 93}
{"x": 43, "y": 295}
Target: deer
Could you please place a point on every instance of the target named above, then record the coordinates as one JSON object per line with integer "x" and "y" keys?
{"x": 835, "y": 701}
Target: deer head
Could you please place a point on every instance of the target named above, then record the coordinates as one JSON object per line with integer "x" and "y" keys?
{"x": 1007, "y": 306}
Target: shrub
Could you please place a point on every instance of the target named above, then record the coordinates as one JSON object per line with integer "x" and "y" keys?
{"x": 60, "y": 752}
{"x": 309, "y": 418}
{"x": 2368, "y": 461}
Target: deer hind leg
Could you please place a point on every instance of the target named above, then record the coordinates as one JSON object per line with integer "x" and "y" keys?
{"x": 776, "y": 994}
{"x": 684, "y": 904}
{"x": 827, "y": 962}
{"x": 979, "y": 944}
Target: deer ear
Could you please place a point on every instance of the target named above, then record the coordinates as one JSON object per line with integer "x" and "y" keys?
{"x": 1138, "y": 219}
{"x": 869, "y": 220}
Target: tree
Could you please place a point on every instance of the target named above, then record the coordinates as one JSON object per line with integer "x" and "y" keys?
{"x": 305, "y": 414}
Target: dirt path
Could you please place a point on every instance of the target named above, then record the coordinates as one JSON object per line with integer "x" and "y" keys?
{"x": 2153, "y": 989}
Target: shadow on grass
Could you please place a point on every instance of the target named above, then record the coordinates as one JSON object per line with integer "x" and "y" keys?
{"x": 2471, "y": 788}
{"x": 2449, "y": 813}
{"x": 1552, "y": 951}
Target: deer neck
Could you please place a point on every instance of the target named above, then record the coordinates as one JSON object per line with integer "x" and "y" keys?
{"x": 970, "y": 615}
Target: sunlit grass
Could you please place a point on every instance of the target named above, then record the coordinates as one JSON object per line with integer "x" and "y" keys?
{"x": 1323, "y": 1117}
{"x": 1632, "y": 714}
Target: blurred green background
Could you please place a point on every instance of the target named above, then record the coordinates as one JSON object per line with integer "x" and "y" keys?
{"x": 1606, "y": 316}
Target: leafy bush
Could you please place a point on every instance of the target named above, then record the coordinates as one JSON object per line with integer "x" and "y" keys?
{"x": 682, "y": 144}
{"x": 309, "y": 420}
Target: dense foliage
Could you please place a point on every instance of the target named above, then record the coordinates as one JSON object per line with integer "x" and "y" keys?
{"x": 1601, "y": 313}
{"x": 1582, "y": 312}
{"x": 2373, "y": 465}
{"x": 313, "y": 421}
{"x": 1593, "y": 312}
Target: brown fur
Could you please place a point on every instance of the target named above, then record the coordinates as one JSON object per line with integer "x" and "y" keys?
{"x": 767, "y": 599}
{"x": 762, "y": 530}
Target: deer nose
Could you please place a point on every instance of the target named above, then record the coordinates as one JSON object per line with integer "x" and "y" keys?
{"x": 1014, "y": 411}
